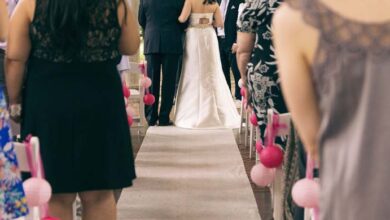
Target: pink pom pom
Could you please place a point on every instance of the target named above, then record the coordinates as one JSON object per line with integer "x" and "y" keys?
{"x": 306, "y": 193}
{"x": 130, "y": 111}
{"x": 37, "y": 190}
{"x": 271, "y": 156}
{"x": 149, "y": 99}
{"x": 50, "y": 218}
{"x": 261, "y": 175}
{"x": 259, "y": 146}
{"x": 126, "y": 91}
{"x": 243, "y": 92}
{"x": 130, "y": 120}
{"x": 253, "y": 119}
{"x": 146, "y": 82}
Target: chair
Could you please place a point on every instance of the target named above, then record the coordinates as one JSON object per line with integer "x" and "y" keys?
{"x": 21, "y": 155}
{"x": 277, "y": 186}
{"x": 242, "y": 116}
{"x": 137, "y": 95}
{"x": 254, "y": 135}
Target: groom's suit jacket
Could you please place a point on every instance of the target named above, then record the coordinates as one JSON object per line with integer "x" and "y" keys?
{"x": 230, "y": 24}
{"x": 163, "y": 33}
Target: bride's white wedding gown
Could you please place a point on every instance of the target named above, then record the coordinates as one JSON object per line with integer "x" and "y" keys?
{"x": 204, "y": 99}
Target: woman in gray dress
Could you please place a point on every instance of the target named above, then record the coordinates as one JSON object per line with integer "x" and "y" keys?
{"x": 335, "y": 67}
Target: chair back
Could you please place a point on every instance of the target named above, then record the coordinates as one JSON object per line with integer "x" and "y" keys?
{"x": 21, "y": 153}
{"x": 284, "y": 119}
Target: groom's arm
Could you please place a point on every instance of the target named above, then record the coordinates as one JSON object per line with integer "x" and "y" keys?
{"x": 141, "y": 15}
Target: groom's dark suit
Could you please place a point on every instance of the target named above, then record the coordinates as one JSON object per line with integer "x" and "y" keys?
{"x": 226, "y": 41}
{"x": 163, "y": 47}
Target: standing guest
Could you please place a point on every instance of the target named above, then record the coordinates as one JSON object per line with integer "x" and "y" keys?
{"x": 226, "y": 39}
{"x": 163, "y": 36}
{"x": 72, "y": 98}
{"x": 256, "y": 59}
{"x": 335, "y": 72}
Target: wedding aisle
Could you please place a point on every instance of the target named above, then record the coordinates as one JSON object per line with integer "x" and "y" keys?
{"x": 189, "y": 174}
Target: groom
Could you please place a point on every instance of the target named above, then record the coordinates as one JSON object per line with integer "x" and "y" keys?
{"x": 163, "y": 48}
{"x": 227, "y": 37}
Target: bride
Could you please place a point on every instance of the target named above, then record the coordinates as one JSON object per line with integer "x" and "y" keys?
{"x": 204, "y": 99}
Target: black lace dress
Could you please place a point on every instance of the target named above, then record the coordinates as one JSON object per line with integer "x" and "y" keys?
{"x": 75, "y": 105}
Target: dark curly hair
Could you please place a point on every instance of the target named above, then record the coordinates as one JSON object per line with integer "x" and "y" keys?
{"x": 209, "y": 2}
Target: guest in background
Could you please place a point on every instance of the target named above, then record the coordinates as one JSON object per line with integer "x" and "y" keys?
{"x": 72, "y": 97}
{"x": 227, "y": 36}
{"x": 256, "y": 59}
{"x": 163, "y": 42}
{"x": 335, "y": 71}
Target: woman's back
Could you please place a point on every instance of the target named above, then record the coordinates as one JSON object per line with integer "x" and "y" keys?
{"x": 95, "y": 39}
{"x": 204, "y": 12}
{"x": 198, "y": 6}
{"x": 349, "y": 61}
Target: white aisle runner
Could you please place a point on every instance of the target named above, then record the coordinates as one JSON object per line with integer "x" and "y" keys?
{"x": 189, "y": 174}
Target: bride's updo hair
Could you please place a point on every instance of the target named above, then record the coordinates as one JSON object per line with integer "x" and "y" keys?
{"x": 209, "y": 2}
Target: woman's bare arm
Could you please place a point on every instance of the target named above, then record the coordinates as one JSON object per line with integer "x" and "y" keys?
{"x": 245, "y": 44}
{"x": 3, "y": 20}
{"x": 130, "y": 40}
{"x": 18, "y": 49}
{"x": 295, "y": 75}
{"x": 218, "y": 19}
{"x": 185, "y": 12}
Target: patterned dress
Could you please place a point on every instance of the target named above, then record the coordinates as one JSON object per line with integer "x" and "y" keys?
{"x": 12, "y": 200}
{"x": 263, "y": 79}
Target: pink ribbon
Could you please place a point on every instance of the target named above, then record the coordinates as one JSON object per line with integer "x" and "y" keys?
{"x": 259, "y": 148}
{"x": 309, "y": 167}
{"x": 144, "y": 70}
{"x": 272, "y": 130}
{"x": 310, "y": 164}
{"x": 36, "y": 171}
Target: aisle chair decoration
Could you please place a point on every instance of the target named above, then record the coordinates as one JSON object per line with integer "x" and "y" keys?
{"x": 129, "y": 110}
{"x": 271, "y": 155}
{"x": 38, "y": 190}
{"x": 149, "y": 98}
{"x": 244, "y": 113}
{"x": 253, "y": 133}
{"x": 243, "y": 105}
{"x": 305, "y": 192}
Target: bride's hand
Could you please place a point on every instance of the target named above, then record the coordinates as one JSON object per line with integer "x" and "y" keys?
{"x": 234, "y": 48}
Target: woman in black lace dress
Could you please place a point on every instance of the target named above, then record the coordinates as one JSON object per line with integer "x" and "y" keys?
{"x": 72, "y": 97}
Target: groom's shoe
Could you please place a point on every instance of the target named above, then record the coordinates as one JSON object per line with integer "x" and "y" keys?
{"x": 169, "y": 123}
{"x": 152, "y": 123}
